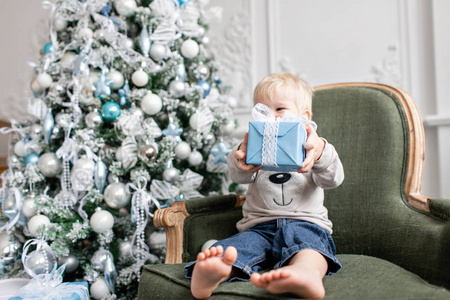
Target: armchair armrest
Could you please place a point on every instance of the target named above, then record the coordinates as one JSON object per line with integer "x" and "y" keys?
{"x": 173, "y": 219}
{"x": 440, "y": 208}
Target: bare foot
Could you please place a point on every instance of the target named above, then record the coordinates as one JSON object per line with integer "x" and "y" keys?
{"x": 298, "y": 280}
{"x": 211, "y": 269}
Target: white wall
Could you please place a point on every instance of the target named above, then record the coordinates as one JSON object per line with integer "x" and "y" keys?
{"x": 400, "y": 42}
{"x": 404, "y": 43}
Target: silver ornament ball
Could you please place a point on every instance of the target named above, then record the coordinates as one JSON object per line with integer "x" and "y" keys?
{"x": 99, "y": 258}
{"x": 36, "y": 130}
{"x": 71, "y": 262}
{"x": 116, "y": 195}
{"x": 148, "y": 153}
{"x": 9, "y": 248}
{"x": 113, "y": 178}
{"x": 39, "y": 262}
{"x": 9, "y": 202}
{"x": 93, "y": 119}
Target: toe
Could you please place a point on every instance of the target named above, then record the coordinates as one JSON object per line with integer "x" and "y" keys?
{"x": 230, "y": 255}
{"x": 256, "y": 279}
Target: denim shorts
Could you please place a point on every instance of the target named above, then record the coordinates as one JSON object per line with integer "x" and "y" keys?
{"x": 270, "y": 245}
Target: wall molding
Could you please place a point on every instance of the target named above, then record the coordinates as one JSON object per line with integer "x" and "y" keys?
{"x": 436, "y": 121}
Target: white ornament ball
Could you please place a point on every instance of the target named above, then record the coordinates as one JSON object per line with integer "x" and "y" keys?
{"x": 35, "y": 87}
{"x": 189, "y": 48}
{"x": 119, "y": 154}
{"x": 139, "y": 78}
{"x": 67, "y": 60}
{"x": 157, "y": 240}
{"x": 125, "y": 247}
{"x": 59, "y": 24}
{"x": 228, "y": 128}
{"x": 29, "y": 207}
{"x": 37, "y": 221}
{"x": 99, "y": 34}
{"x": 20, "y": 149}
{"x": 116, "y": 195}
{"x": 102, "y": 221}
{"x": 49, "y": 165}
{"x": 94, "y": 75}
{"x": 4, "y": 241}
{"x": 44, "y": 80}
{"x": 183, "y": 150}
{"x": 84, "y": 163}
{"x": 85, "y": 33}
{"x": 151, "y": 104}
{"x": 99, "y": 289}
{"x": 208, "y": 244}
{"x": 177, "y": 88}
{"x": 125, "y": 8}
{"x": 193, "y": 121}
{"x": 117, "y": 79}
{"x": 171, "y": 175}
{"x": 129, "y": 43}
{"x": 232, "y": 102}
{"x": 195, "y": 158}
{"x": 158, "y": 51}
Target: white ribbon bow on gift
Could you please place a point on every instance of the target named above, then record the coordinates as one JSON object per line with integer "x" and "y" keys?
{"x": 262, "y": 113}
{"x": 50, "y": 286}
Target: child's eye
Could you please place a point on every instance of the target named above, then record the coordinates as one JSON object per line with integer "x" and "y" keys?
{"x": 280, "y": 108}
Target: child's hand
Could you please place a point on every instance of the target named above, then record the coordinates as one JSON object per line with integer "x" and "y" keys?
{"x": 314, "y": 146}
{"x": 241, "y": 156}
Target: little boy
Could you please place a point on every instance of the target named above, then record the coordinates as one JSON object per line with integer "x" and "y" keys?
{"x": 292, "y": 237}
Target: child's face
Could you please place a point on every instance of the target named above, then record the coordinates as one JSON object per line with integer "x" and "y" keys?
{"x": 281, "y": 103}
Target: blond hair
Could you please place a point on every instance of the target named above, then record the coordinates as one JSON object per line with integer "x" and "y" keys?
{"x": 287, "y": 85}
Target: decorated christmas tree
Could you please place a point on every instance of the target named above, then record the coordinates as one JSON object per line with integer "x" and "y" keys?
{"x": 128, "y": 114}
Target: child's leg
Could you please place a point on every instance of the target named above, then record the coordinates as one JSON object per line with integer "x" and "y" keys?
{"x": 212, "y": 269}
{"x": 302, "y": 276}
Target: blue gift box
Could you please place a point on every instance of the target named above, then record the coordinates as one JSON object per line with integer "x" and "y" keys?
{"x": 290, "y": 152}
{"x": 73, "y": 296}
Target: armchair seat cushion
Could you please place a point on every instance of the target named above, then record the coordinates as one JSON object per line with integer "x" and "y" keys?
{"x": 362, "y": 277}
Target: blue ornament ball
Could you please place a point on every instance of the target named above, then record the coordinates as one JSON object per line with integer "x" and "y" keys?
{"x": 48, "y": 48}
{"x": 110, "y": 111}
{"x": 183, "y": 1}
{"x": 205, "y": 86}
{"x": 31, "y": 158}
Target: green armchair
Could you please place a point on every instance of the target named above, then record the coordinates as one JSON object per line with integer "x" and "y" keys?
{"x": 393, "y": 242}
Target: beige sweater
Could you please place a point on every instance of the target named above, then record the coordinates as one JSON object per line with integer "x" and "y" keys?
{"x": 276, "y": 195}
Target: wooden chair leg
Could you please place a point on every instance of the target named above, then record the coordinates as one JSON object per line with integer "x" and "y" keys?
{"x": 172, "y": 219}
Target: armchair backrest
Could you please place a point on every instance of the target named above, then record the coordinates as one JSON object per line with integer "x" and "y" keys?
{"x": 378, "y": 133}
